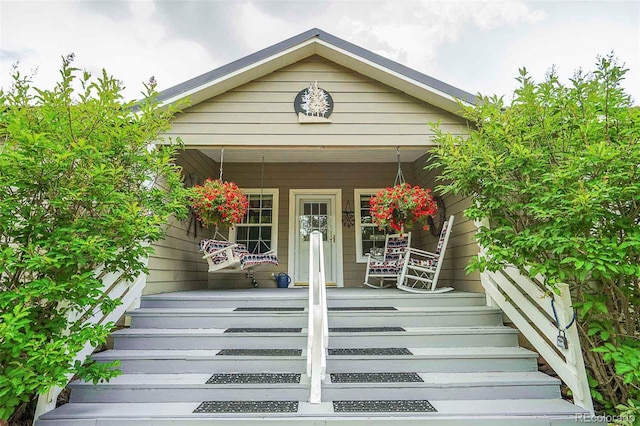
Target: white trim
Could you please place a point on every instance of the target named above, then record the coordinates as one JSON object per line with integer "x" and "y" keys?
{"x": 360, "y": 257}
{"x": 274, "y": 215}
{"x": 338, "y": 229}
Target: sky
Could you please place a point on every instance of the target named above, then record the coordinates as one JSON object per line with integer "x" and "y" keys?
{"x": 477, "y": 46}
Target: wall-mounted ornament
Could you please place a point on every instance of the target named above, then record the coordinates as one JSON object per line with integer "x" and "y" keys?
{"x": 436, "y": 223}
{"x": 313, "y": 105}
{"x": 348, "y": 217}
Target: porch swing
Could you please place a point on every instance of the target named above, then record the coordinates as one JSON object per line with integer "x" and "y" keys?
{"x": 224, "y": 256}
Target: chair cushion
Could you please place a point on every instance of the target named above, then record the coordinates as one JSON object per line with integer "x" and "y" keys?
{"x": 384, "y": 268}
{"x": 428, "y": 263}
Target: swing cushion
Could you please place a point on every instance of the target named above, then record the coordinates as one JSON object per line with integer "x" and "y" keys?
{"x": 240, "y": 254}
{"x": 248, "y": 260}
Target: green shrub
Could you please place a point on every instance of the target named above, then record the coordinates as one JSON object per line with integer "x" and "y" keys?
{"x": 76, "y": 193}
{"x": 557, "y": 171}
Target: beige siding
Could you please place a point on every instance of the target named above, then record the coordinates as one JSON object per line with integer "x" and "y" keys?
{"x": 346, "y": 176}
{"x": 366, "y": 112}
{"x": 176, "y": 264}
{"x": 462, "y": 245}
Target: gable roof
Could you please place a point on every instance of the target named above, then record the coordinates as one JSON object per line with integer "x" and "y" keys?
{"x": 318, "y": 42}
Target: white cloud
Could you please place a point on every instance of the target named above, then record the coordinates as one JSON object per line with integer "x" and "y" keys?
{"x": 417, "y": 35}
{"x": 489, "y": 15}
{"x": 474, "y": 45}
{"x": 132, "y": 49}
{"x": 261, "y": 29}
{"x": 575, "y": 46}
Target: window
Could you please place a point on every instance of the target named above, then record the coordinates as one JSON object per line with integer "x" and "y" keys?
{"x": 368, "y": 236}
{"x": 259, "y": 227}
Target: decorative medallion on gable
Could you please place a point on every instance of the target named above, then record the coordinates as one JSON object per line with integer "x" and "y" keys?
{"x": 313, "y": 105}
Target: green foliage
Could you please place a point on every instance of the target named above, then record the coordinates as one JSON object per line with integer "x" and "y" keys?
{"x": 629, "y": 414}
{"x": 557, "y": 171}
{"x": 77, "y": 193}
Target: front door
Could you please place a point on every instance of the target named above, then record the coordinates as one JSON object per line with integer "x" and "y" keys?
{"x": 315, "y": 211}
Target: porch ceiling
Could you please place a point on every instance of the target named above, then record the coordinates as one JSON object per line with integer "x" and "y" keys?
{"x": 298, "y": 154}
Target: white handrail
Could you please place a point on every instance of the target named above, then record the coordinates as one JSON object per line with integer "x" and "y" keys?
{"x": 527, "y": 305}
{"x": 115, "y": 287}
{"x": 318, "y": 325}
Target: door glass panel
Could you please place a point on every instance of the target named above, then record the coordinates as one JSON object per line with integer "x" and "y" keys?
{"x": 315, "y": 221}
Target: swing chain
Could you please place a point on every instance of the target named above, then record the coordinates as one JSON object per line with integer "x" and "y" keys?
{"x": 221, "y": 162}
{"x": 258, "y": 246}
{"x": 399, "y": 176}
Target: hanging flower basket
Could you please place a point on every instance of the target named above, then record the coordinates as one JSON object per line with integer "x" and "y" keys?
{"x": 217, "y": 203}
{"x": 400, "y": 207}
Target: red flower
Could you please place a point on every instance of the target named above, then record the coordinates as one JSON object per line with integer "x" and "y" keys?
{"x": 217, "y": 203}
{"x": 402, "y": 206}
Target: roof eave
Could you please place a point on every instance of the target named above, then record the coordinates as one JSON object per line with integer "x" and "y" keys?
{"x": 318, "y": 42}
{"x": 391, "y": 78}
{"x": 233, "y": 79}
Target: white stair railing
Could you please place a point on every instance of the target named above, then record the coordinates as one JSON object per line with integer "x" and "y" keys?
{"x": 528, "y": 305}
{"x": 318, "y": 325}
{"x": 115, "y": 287}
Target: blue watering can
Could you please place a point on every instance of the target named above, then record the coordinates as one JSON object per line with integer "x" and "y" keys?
{"x": 283, "y": 280}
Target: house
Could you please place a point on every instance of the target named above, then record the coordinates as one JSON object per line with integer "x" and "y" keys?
{"x": 380, "y": 108}
{"x": 311, "y": 128}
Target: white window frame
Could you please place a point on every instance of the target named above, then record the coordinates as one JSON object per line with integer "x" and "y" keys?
{"x": 275, "y": 192}
{"x": 357, "y": 193}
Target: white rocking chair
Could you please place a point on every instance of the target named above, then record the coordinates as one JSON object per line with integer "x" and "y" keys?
{"x": 388, "y": 267}
{"x": 224, "y": 256}
{"x": 420, "y": 269}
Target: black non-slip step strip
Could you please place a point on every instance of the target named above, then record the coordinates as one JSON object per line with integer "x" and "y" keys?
{"x": 384, "y": 406}
{"x": 247, "y": 407}
{"x": 261, "y": 352}
{"x": 375, "y": 377}
{"x": 258, "y": 308}
{"x": 362, "y": 308}
{"x": 263, "y": 330}
{"x": 370, "y": 351}
{"x": 364, "y": 329}
{"x": 241, "y": 378}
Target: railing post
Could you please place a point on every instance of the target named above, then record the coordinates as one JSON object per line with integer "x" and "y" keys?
{"x": 317, "y": 339}
{"x": 574, "y": 359}
{"x": 484, "y": 222}
{"x": 46, "y": 402}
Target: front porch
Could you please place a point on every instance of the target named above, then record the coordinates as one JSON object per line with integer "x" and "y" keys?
{"x": 329, "y": 181}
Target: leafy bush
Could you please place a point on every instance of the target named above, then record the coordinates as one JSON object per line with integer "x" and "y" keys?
{"x": 557, "y": 171}
{"x": 77, "y": 192}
